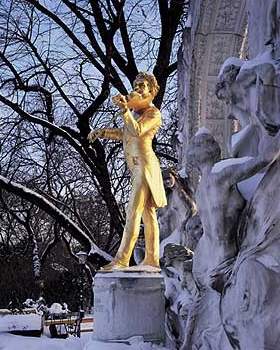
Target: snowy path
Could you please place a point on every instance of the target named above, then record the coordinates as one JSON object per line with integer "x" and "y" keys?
{"x": 14, "y": 342}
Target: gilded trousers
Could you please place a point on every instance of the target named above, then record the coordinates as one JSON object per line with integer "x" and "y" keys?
{"x": 140, "y": 205}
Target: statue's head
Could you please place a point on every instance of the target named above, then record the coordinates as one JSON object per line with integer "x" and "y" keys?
{"x": 203, "y": 149}
{"x": 227, "y": 77}
{"x": 193, "y": 232}
{"x": 145, "y": 88}
{"x": 170, "y": 177}
{"x": 232, "y": 90}
{"x": 149, "y": 80}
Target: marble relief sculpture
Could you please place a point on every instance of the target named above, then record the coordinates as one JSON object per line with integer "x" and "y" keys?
{"x": 249, "y": 305}
{"x": 180, "y": 291}
{"x": 219, "y": 206}
{"x": 235, "y": 267}
{"x": 235, "y": 264}
{"x": 141, "y": 122}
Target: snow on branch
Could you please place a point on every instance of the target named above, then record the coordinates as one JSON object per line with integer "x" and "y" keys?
{"x": 54, "y": 212}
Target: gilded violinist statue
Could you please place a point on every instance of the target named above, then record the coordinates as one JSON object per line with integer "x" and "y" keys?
{"x": 141, "y": 122}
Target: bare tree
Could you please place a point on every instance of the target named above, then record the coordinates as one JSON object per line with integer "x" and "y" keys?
{"x": 59, "y": 64}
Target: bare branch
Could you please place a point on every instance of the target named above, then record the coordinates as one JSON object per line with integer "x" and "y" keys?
{"x": 54, "y": 212}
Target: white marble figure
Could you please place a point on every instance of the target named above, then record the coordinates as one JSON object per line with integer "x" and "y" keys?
{"x": 219, "y": 207}
{"x": 180, "y": 291}
{"x": 217, "y": 194}
{"x": 235, "y": 94}
{"x": 250, "y": 305}
{"x": 236, "y": 264}
{"x": 250, "y": 300}
{"x": 181, "y": 206}
{"x": 251, "y": 89}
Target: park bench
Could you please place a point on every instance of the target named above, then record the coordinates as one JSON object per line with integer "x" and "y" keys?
{"x": 63, "y": 325}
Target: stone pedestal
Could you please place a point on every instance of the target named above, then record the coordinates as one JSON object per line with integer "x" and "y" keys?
{"x": 128, "y": 304}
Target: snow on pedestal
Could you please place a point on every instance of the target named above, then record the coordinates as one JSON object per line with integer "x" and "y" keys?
{"x": 128, "y": 304}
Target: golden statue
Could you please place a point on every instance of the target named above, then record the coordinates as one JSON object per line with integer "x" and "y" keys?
{"x": 141, "y": 122}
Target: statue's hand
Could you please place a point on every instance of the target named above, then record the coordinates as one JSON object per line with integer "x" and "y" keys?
{"x": 120, "y": 101}
{"x": 95, "y": 134}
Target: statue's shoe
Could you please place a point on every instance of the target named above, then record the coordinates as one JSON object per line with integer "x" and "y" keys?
{"x": 149, "y": 263}
{"x": 113, "y": 266}
{"x": 142, "y": 268}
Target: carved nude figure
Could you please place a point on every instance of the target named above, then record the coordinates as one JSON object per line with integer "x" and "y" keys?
{"x": 219, "y": 206}
{"x": 180, "y": 208}
{"x": 251, "y": 89}
{"x": 239, "y": 92}
{"x": 147, "y": 185}
{"x": 249, "y": 307}
{"x": 219, "y": 203}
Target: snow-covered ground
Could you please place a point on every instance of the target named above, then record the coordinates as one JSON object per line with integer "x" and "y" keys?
{"x": 14, "y": 342}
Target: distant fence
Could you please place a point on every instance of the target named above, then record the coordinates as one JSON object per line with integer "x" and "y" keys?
{"x": 60, "y": 326}
{"x": 56, "y": 325}
{"x": 72, "y": 321}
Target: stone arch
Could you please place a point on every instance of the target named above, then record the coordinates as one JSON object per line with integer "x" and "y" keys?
{"x": 217, "y": 31}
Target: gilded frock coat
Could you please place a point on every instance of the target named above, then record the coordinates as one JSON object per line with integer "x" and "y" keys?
{"x": 137, "y": 135}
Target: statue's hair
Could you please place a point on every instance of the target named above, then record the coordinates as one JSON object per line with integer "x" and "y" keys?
{"x": 213, "y": 148}
{"x": 226, "y": 78}
{"x": 151, "y": 79}
{"x": 186, "y": 192}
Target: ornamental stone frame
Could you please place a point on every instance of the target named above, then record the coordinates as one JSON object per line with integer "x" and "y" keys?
{"x": 217, "y": 30}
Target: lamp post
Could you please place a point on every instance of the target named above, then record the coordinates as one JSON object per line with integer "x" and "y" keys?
{"x": 82, "y": 256}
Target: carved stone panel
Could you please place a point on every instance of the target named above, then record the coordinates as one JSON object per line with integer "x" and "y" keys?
{"x": 215, "y": 109}
{"x": 221, "y": 46}
{"x": 228, "y": 15}
{"x": 219, "y": 33}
